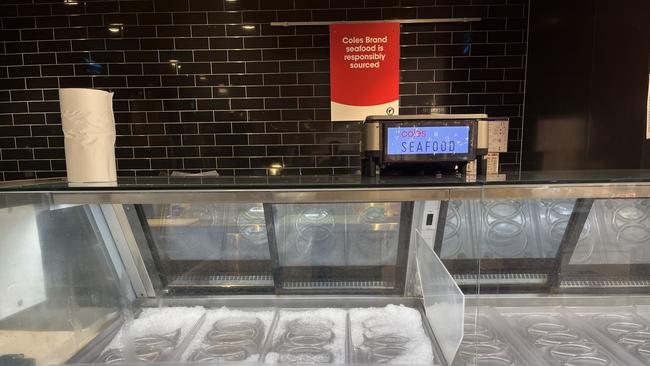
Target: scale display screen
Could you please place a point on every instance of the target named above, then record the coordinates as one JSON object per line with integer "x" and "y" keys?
{"x": 428, "y": 140}
{"x": 419, "y": 142}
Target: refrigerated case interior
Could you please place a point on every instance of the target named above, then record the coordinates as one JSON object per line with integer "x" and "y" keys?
{"x": 550, "y": 276}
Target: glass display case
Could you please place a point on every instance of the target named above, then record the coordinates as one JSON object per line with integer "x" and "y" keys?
{"x": 525, "y": 270}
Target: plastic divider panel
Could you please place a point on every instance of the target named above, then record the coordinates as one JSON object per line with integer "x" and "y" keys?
{"x": 444, "y": 302}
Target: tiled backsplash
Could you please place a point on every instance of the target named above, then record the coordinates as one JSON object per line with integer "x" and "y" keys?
{"x": 210, "y": 84}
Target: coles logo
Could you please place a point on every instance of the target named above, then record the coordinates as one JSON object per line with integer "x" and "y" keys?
{"x": 413, "y": 133}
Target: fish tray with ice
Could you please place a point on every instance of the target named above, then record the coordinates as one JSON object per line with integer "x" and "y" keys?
{"x": 153, "y": 336}
{"x": 230, "y": 335}
{"x": 309, "y": 336}
{"x": 393, "y": 334}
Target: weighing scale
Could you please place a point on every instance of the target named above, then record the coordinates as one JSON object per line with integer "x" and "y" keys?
{"x": 423, "y": 144}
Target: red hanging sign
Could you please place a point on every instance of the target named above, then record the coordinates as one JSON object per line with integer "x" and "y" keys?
{"x": 364, "y": 70}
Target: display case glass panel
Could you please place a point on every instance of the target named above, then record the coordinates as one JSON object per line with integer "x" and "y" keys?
{"x": 341, "y": 246}
{"x": 58, "y": 285}
{"x": 328, "y": 270}
{"x": 279, "y": 247}
{"x": 617, "y": 231}
{"x": 203, "y": 246}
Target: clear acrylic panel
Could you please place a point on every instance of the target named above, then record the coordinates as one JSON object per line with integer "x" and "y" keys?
{"x": 444, "y": 302}
{"x": 58, "y": 286}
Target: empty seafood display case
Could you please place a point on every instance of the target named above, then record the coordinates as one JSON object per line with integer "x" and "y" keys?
{"x": 526, "y": 270}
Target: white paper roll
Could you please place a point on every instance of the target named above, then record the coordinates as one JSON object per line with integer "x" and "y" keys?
{"x": 89, "y": 134}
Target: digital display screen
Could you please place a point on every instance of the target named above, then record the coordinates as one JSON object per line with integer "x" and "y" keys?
{"x": 413, "y": 140}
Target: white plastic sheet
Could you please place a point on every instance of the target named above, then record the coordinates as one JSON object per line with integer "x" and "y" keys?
{"x": 89, "y": 132}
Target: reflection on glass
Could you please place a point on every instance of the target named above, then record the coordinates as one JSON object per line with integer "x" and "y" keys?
{"x": 373, "y": 233}
{"x": 208, "y": 231}
{"x": 505, "y": 234}
{"x": 186, "y": 231}
{"x": 206, "y": 244}
{"x": 452, "y": 236}
{"x": 629, "y": 220}
{"x": 337, "y": 234}
{"x": 458, "y": 241}
{"x": 504, "y": 228}
{"x": 554, "y": 216}
{"x": 57, "y": 288}
{"x": 313, "y": 225}
{"x": 584, "y": 250}
{"x": 252, "y": 226}
{"x": 245, "y": 228}
{"x": 617, "y": 231}
{"x": 556, "y": 339}
{"x": 310, "y": 234}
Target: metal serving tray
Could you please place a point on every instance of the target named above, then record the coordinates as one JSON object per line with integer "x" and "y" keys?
{"x": 484, "y": 343}
{"x": 308, "y": 335}
{"x": 143, "y": 331}
{"x": 620, "y": 329}
{"x": 555, "y": 338}
{"x": 229, "y": 335}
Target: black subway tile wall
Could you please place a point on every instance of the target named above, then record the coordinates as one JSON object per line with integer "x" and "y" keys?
{"x": 210, "y": 84}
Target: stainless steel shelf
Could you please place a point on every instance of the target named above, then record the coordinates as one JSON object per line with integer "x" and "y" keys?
{"x": 501, "y": 279}
{"x": 293, "y": 301}
{"x": 394, "y": 194}
{"x": 625, "y": 283}
{"x": 596, "y": 190}
{"x": 222, "y": 281}
{"x": 310, "y": 285}
{"x": 257, "y": 195}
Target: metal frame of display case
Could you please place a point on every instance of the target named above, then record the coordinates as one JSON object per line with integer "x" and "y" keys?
{"x": 387, "y": 193}
{"x": 106, "y": 203}
{"x": 353, "y": 194}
